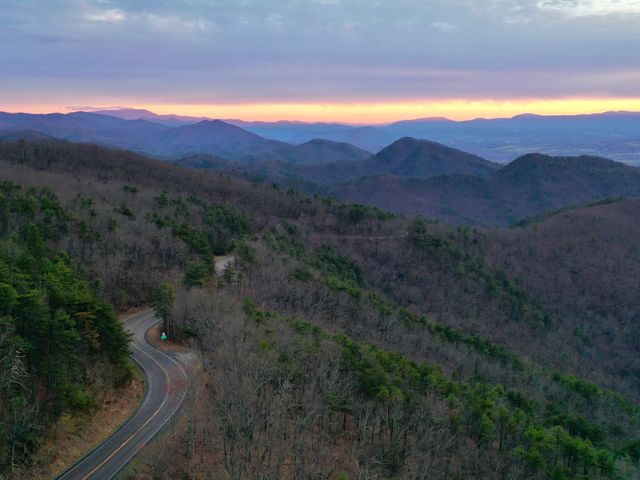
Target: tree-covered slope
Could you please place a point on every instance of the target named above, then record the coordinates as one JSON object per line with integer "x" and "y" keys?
{"x": 59, "y": 343}
{"x": 348, "y": 342}
{"x": 530, "y": 185}
{"x": 330, "y": 377}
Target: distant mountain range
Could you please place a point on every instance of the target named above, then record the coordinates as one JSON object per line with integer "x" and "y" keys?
{"x": 414, "y": 176}
{"x": 163, "y": 139}
{"x": 409, "y": 176}
{"x": 141, "y": 114}
{"x": 614, "y": 135}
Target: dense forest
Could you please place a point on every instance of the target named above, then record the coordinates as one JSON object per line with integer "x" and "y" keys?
{"x": 60, "y": 344}
{"x": 344, "y": 342}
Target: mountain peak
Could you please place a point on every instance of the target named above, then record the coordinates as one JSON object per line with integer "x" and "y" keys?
{"x": 534, "y": 167}
{"x": 410, "y": 156}
{"x": 143, "y": 114}
{"x": 207, "y": 131}
{"x": 425, "y": 120}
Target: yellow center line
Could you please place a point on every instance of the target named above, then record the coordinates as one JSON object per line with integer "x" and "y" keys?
{"x": 145, "y": 423}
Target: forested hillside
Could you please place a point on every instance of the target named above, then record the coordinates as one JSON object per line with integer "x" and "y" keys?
{"x": 60, "y": 345}
{"x": 346, "y": 342}
{"x": 419, "y": 177}
{"x": 585, "y": 265}
{"x": 528, "y": 186}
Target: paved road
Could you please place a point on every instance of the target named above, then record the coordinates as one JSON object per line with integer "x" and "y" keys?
{"x": 222, "y": 263}
{"x": 166, "y": 385}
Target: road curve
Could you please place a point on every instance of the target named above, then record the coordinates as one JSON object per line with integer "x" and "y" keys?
{"x": 166, "y": 385}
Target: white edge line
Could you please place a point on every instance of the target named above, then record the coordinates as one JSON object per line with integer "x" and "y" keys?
{"x": 153, "y": 434}
{"x": 184, "y": 394}
{"x": 132, "y": 436}
{"x": 148, "y": 384}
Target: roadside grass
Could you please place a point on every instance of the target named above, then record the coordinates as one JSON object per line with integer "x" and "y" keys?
{"x": 74, "y": 436}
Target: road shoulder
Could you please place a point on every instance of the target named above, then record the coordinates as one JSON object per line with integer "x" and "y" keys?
{"x": 74, "y": 436}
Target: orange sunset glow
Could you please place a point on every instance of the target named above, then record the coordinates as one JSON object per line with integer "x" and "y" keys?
{"x": 394, "y": 111}
{"x": 338, "y": 239}
{"x": 370, "y": 112}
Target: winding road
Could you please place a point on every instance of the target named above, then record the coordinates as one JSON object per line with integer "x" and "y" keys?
{"x": 166, "y": 385}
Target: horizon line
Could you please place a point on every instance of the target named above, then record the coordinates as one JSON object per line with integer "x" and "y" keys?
{"x": 434, "y": 119}
{"x": 379, "y": 114}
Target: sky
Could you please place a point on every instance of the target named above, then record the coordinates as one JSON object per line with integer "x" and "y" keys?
{"x": 359, "y": 61}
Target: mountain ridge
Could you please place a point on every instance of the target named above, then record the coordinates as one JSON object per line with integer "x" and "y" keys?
{"x": 407, "y": 157}
{"x": 215, "y": 137}
{"x": 529, "y": 185}
{"x": 610, "y": 134}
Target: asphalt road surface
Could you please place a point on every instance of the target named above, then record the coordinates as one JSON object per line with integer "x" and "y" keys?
{"x": 166, "y": 385}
